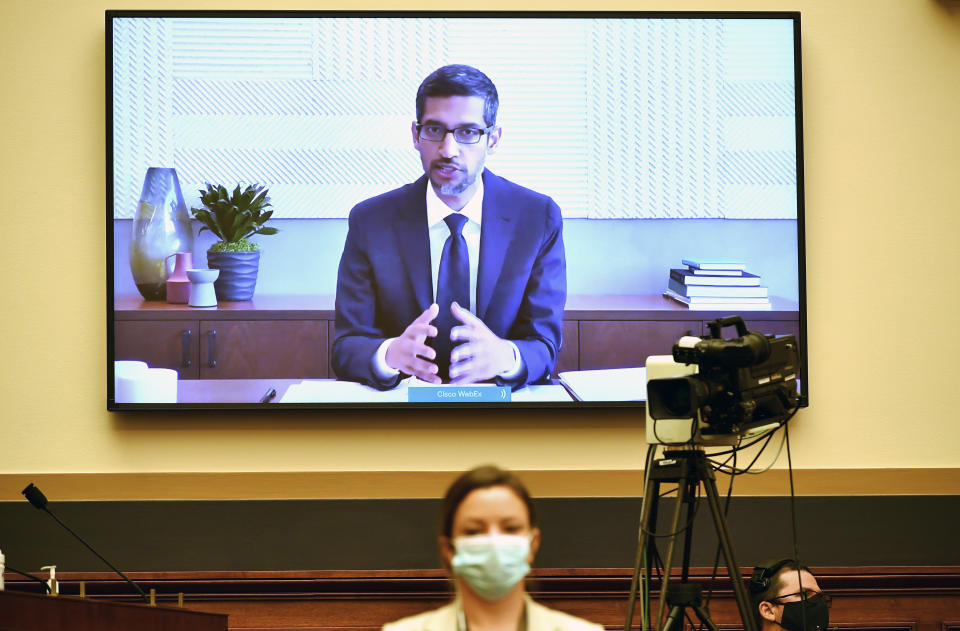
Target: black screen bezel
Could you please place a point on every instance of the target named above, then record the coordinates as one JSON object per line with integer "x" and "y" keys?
{"x": 112, "y": 405}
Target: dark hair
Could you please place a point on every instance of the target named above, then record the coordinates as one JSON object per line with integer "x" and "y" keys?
{"x": 481, "y": 478}
{"x": 760, "y": 592}
{"x": 460, "y": 80}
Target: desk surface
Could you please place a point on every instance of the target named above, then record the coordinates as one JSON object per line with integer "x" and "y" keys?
{"x": 33, "y": 612}
{"x": 230, "y": 390}
{"x": 578, "y": 307}
{"x": 245, "y": 391}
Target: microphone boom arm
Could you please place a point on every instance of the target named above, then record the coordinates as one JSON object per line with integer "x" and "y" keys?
{"x": 146, "y": 598}
{"x": 36, "y": 497}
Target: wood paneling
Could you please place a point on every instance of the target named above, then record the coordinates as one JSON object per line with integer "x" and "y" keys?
{"x": 865, "y": 599}
{"x": 246, "y": 485}
{"x": 33, "y": 612}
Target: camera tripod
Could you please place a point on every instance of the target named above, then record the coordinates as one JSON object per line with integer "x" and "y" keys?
{"x": 688, "y": 469}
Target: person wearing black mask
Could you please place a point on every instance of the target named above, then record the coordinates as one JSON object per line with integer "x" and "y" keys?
{"x": 785, "y": 595}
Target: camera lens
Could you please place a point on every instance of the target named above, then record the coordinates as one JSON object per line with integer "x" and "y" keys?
{"x": 670, "y": 398}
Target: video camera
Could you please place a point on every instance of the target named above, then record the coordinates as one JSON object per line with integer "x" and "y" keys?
{"x": 713, "y": 390}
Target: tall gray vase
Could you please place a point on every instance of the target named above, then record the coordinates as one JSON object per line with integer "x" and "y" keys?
{"x": 238, "y": 274}
{"x": 161, "y": 227}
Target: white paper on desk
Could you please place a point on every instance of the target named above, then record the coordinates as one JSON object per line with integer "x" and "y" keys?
{"x": 610, "y": 384}
{"x": 333, "y": 391}
{"x": 540, "y": 394}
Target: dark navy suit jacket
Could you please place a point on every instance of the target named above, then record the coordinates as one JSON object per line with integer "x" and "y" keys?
{"x": 384, "y": 281}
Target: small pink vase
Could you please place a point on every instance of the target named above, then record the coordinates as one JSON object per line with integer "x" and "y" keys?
{"x": 178, "y": 285}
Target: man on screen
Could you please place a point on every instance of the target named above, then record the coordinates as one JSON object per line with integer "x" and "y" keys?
{"x": 460, "y": 276}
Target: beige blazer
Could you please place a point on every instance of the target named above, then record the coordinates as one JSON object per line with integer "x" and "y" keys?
{"x": 539, "y": 618}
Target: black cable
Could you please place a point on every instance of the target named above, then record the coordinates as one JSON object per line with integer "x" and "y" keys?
{"x": 649, "y": 467}
{"x": 766, "y": 436}
{"x": 716, "y": 557}
{"x": 668, "y": 492}
{"x": 730, "y": 455}
{"x": 763, "y": 436}
{"x": 756, "y": 440}
{"x": 716, "y": 466}
{"x": 693, "y": 429}
{"x": 10, "y": 568}
{"x": 776, "y": 456}
{"x": 733, "y": 471}
{"x": 651, "y": 554}
{"x": 793, "y": 515}
{"x": 722, "y": 467}
{"x": 660, "y": 574}
{"x": 693, "y": 516}
{"x": 656, "y": 561}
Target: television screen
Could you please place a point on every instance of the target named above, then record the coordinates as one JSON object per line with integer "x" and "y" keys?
{"x": 394, "y": 209}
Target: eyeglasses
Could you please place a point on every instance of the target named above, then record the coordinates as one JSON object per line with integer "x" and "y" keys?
{"x": 463, "y": 135}
{"x": 808, "y": 595}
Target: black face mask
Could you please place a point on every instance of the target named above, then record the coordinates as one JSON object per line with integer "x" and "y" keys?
{"x": 814, "y": 609}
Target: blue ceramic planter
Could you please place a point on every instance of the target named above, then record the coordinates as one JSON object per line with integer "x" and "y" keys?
{"x": 238, "y": 274}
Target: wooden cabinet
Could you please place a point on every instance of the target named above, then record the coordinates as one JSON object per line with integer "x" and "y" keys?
{"x": 259, "y": 339}
{"x": 263, "y": 349}
{"x": 227, "y": 349}
{"x": 162, "y": 344}
{"x": 569, "y": 358}
{"x": 290, "y": 336}
{"x": 622, "y": 331}
{"x": 620, "y": 343}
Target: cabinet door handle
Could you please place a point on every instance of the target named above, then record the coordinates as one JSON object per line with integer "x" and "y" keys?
{"x": 185, "y": 348}
{"x": 212, "y": 348}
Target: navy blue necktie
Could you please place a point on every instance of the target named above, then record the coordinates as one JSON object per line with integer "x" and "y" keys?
{"x": 453, "y": 284}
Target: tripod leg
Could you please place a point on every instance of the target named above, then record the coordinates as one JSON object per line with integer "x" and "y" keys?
{"x": 723, "y": 534}
{"x": 653, "y": 553}
{"x": 688, "y": 534}
{"x": 682, "y": 484}
{"x": 648, "y": 508}
{"x": 704, "y": 617}
{"x": 673, "y": 618}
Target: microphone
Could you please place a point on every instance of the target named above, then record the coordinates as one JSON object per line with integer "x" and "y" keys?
{"x": 39, "y": 501}
{"x": 10, "y": 568}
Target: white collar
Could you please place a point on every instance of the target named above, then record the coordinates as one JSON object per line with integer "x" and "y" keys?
{"x": 437, "y": 209}
{"x": 529, "y": 610}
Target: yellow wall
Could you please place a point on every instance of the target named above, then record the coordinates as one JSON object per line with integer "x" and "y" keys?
{"x": 881, "y": 87}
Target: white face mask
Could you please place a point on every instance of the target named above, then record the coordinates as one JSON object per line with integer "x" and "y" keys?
{"x": 491, "y": 564}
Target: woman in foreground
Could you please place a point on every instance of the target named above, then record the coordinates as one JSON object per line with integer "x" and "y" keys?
{"x": 488, "y": 538}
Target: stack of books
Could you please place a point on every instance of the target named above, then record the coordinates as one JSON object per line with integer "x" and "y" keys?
{"x": 717, "y": 285}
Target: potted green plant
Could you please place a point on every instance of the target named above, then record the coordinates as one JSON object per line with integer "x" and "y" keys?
{"x": 233, "y": 217}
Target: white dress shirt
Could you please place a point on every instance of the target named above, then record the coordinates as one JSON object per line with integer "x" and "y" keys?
{"x": 437, "y": 211}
